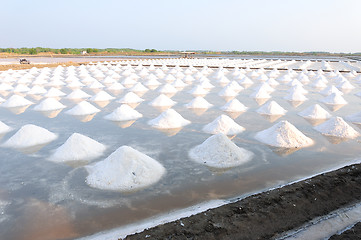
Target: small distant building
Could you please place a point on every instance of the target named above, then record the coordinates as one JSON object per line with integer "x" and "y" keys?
{"x": 84, "y": 52}
{"x": 187, "y": 54}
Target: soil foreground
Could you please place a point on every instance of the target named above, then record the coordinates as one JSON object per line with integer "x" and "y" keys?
{"x": 267, "y": 215}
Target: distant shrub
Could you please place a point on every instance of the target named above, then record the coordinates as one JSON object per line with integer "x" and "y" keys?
{"x": 32, "y": 51}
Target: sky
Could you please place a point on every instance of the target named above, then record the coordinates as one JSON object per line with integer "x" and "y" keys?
{"x": 223, "y": 25}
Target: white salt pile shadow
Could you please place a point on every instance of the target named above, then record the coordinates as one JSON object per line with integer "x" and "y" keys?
{"x": 223, "y": 124}
{"x": 78, "y": 148}
{"x": 28, "y": 136}
{"x": 218, "y": 151}
{"x": 284, "y": 135}
{"x": 125, "y": 170}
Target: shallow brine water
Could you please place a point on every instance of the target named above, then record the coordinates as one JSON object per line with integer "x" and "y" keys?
{"x": 41, "y": 199}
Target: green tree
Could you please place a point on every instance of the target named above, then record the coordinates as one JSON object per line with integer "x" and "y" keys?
{"x": 32, "y": 51}
{"x": 63, "y": 51}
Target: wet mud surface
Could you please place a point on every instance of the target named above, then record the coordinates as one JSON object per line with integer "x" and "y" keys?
{"x": 269, "y": 214}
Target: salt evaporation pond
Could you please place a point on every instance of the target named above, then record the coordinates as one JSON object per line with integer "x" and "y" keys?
{"x": 45, "y": 193}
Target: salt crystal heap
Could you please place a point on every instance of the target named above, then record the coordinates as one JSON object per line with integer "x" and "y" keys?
{"x": 223, "y": 124}
{"x": 285, "y": 135}
{"x": 337, "y": 127}
{"x": 315, "y": 112}
{"x": 83, "y": 108}
{"x": 28, "y": 136}
{"x": 125, "y": 170}
{"x": 49, "y": 104}
{"x": 218, "y": 151}
{"x": 101, "y": 96}
{"x": 272, "y": 108}
{"x": 123, "y": 113}
{"x": 78, "y": 148}
{"x": 162, "y": 101}
{"x": 334, "y": 99}
{"x": 130, "y": 97}
{"x": 168, "y": 120}
{"x": 234, "y": 106}
{"x": 16, "y": 101}
{"x": 4, "y": 128}
{"x": 77, "y": 94}
{"x": 199, "y": 103}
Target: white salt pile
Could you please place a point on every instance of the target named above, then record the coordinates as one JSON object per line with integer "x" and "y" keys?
{"x": 334, "y": 99}
{"x": 77, "y": 94}
{"x": 123, "y": 113}
{"x": 228, "y": 91}
{"x": 223, "y": 124}
{"x": 260, "y": 94}
{"x": 28, "y": 136}
{"x": 54, "y": 92}
{"x": 284, "y": 134}
{"x": 4, "y": 128}
{"x": 167, "y": 89}
{"x": 125, "y": 170}
{"x": 49, "y": 104}
{"x": 329, "y": 90}
{"x": 337, "y": 127}
{"x": 82, "y": 108}
{"x": 130, "y": 97}
{"x": 234, "y": 106}
{"x": 315, "y": 112}
{"x": 272, "y": 108}
{"x": 218, "y": 151}
{"x": 101, "y": 96}
{"x": 198, "y": 90}
{"x": 295, "y": 96}
{"x": 78, "y": 147}
{"x": 199, "y": 102}
{"x": 138, "y": 88}
{"x": 16, "y": 101}
{"x": 168, "y": 120}
{"x": 162, "y": 101}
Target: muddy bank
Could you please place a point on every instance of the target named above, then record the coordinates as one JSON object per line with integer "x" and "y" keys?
{"x": 28, "y": 66}
{"x": 353, "y": 233}
{"x": 266, "y": 215}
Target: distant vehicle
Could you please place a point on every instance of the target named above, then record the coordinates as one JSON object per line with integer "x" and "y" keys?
{"x": 24, "y": 61}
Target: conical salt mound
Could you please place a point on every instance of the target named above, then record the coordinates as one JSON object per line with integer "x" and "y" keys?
{"x": 198, "y": 90}
{"x": 162, "y": 101}
{"x": 223, "y": 124}
{"x": 218, "y": 151}
{"x": 4, "y": 128}
{"x": 49, "y": 104}
{"x": 82, "y": 108}
{"x": 334, "y": 99}
{"x": 123, "y": 113}
{"x": 77, "y": 94}
{"x": 167, "y": 89}
{"x": 77, "y": 148}
{"x": 295, "y": 96}
{"x": 54, "y": 92}
{"x": 260, "y": 94}
{"x": 101, "y": 96}
{"x": 125, "y": 170}
{"x": 28, "y": 136}
{"x": 130, "y": 97}
{"x": 16, "y": 101}
{"x": 284, "y": 134}
{"x": 315, "y": 112}
{"x": 329, "y": 90}
{"x": 228, "y": 91}
{"x": 234, "y": 106}
{"x": 168, "y": 120}
{"x": 272, "y": 108}
{"x": 199, "y": 102}
{"x": 337, "y": 127}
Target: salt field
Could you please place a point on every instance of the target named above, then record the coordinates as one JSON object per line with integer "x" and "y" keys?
{"x": 99, "y": 146}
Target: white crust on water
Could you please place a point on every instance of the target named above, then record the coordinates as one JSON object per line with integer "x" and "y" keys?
{"x": 123, "y": 113}
{"x": 130, "y": 97}
{"x": 162, "y": 101}
{"x": 315, "y": 112}
{"x": 223, "y": 124}
{"x": 30, "y": 135}
{"x": 4, "y": 128}
{"x": 337, "y": 127}
{"x": 16, "y": 101}
{"x": 284, "y": 134}
{"x": 198, "y": 102}
{"x": 168, "y": 120}
{"x": 272, "y": 108}
{"x": 49, "y": 104}
{"x": 78, "y": 147}
{"x": 82, "y": 108}
{"x": 126, "y": 169}
{"x": 218, "y": 151}
{"x": 234, "y": 106}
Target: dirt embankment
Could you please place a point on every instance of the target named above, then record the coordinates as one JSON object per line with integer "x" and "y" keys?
{"x": 28, "y": 66}
{"x": 265, "y": 215}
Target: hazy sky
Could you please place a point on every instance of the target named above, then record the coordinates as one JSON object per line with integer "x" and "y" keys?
{"x": 251, "y": 25}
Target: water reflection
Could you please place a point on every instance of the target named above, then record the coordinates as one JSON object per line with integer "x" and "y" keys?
{"x": 85, "y": 118}
{"x": 198, "y": 111}
{"x": 51, "y": 114}
{"x": 295, "y": 104}
{"x": 271, "y": 118}
{"x": 334, "y": 107}
{"x": 284, "y": 151}
{"x": 261, "y": 101}
{"x": 123, "y": 124}
{"x": 315, "y": 122}
{"x": 18, "y": 110}
{"x": 335, "y": 140}
{"x": 102, "y": 104}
